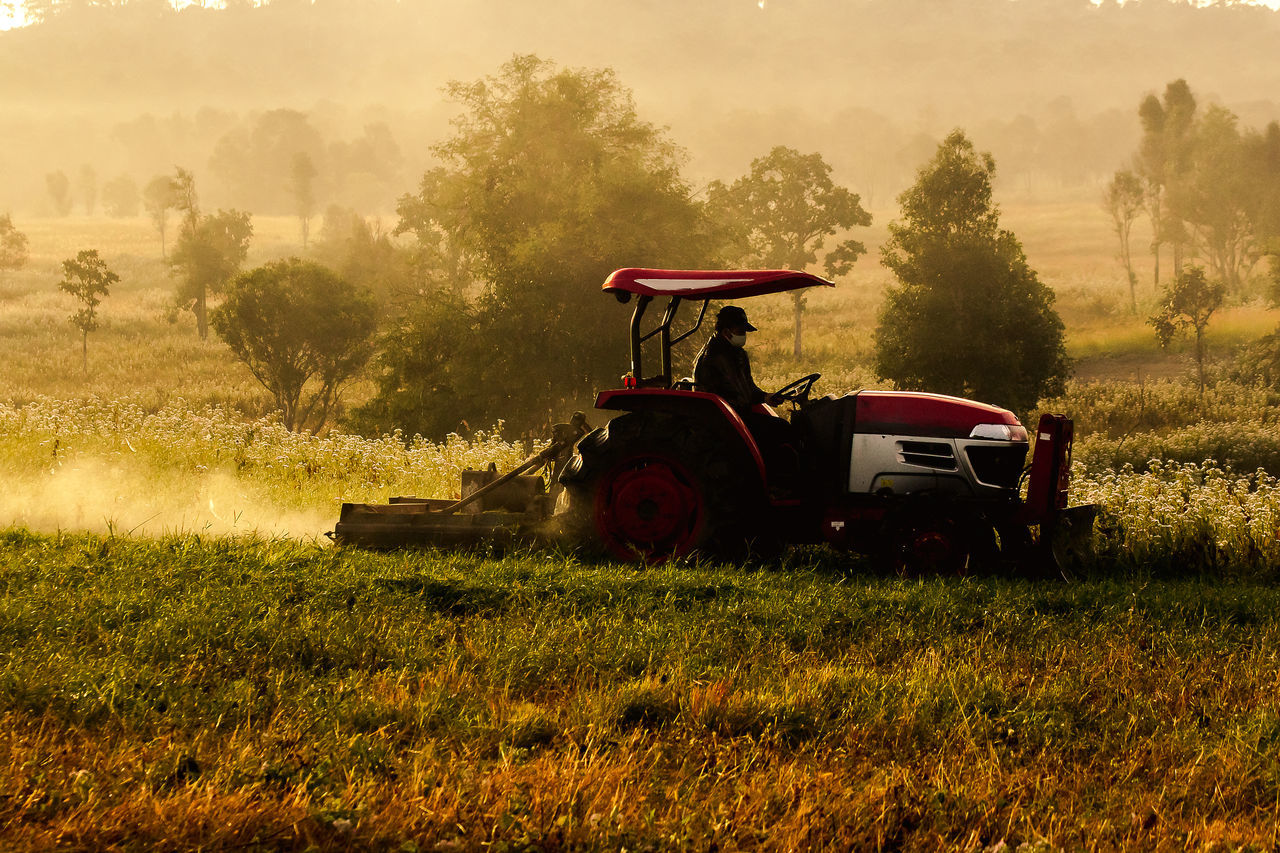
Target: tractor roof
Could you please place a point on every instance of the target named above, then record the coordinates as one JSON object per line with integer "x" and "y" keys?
{"x": 709, "y": 284}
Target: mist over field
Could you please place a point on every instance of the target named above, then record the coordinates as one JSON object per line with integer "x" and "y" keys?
{"x": 1049, "y": 86}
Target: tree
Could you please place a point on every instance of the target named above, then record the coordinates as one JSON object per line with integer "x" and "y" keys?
{"x": 254, "y": 163}
{"x": 296, "y": 326}
{"x": 784, "y": 210}
{"x": 968, "y": 316}
{"x": 88, "y": 278}
{"x": 120, "y": 197}
{"x": 159, "y": 197}
{"x": 1124, "y": 201}
{"x": 424, "y": 382}
{"x": 550, "y": 182}
{"x": 1187, "y": 306}
{"x": 209, "y": 250}
{"x": 1216, "y": 196}
{"x": 59, "y": 187}
{"x": 207, "y": 256}
{"x": 1163, "y": 158}
{"x": 13, "y": 245}
{"x": 302, "y": 175}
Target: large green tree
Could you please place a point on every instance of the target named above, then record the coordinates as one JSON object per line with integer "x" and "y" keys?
{"x": 968, "y": 315}
{"x": 302, "y": 331}
{"x": 781, "y": 214}
{"x": 550, "y": 181}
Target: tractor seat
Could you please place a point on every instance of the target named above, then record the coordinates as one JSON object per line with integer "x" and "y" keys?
{"x": 685, "y": 384}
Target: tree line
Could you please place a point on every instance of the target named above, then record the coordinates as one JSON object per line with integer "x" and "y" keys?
{"x": 491, "y": 309}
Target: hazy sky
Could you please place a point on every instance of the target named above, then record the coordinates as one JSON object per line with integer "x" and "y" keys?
{"x": 8, "y": 20}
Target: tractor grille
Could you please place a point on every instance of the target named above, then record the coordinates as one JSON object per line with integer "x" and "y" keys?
{"x": 928, "y": 454}
{"x": 999, "y": 465}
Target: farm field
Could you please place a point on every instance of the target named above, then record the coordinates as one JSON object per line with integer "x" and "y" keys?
{"x": 204, "y": 693}
{"x": 187, "y": 664}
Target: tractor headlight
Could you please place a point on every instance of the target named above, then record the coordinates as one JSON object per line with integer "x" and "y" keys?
{"x": 999, "y": 432}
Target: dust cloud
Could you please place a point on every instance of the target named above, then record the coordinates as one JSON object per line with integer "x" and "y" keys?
{"x": 107, "y": 496}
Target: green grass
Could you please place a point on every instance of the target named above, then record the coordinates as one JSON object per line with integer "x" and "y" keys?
{"x": 191, "y": 692}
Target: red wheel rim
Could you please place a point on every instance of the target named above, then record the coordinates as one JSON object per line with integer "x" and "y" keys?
{"x": 649, "y": 507}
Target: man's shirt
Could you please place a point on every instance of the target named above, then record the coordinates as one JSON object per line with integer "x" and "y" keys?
{"x": 725, "y": 370}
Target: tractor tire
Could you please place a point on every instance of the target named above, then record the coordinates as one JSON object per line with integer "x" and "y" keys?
{"x": 925, "y": 536}
{"x": 651, "y": 487}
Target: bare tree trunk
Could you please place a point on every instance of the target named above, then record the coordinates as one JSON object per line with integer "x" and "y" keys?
{"x": 1155, "y": 256}
{"x": 84, "y": 352}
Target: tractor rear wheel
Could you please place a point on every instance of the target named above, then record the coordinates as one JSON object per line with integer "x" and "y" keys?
{"x": 652, "y": 487}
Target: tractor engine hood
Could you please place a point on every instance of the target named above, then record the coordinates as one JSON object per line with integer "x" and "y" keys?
{"x": 915, "y": 413}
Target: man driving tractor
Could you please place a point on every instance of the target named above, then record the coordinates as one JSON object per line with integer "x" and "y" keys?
{"x": 724, "y": 368}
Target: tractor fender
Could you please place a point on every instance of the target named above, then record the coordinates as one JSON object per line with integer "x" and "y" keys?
{"x": 698, "y": 404}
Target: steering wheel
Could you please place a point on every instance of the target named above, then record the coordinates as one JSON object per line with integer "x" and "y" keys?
{"x": 798, "y": 391}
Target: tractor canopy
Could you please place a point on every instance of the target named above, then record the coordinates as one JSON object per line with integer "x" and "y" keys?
{"x": 707, "y": 284}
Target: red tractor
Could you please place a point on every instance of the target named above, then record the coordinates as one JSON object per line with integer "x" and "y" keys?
{"x": 921, "y": 482}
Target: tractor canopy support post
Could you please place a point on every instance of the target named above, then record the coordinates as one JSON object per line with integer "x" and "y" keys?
{"x": 664, "y": 339}
{"x": 636, "y": 315}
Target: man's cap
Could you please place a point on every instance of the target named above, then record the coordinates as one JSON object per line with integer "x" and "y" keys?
{"x": 731, "y": 316}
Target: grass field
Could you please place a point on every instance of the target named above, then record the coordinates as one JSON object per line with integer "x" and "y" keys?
{"x": 197, "y": 693}
{"x": 186, "y": 664}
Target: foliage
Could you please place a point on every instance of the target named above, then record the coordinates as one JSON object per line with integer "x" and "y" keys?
{"x": 361, "y": 253}
{"x": 13, "y": 245}
{"x": 86, "y": 277}
{"x": 1188, "y": 304}
{"x": 423, "y": 342}
{"x": 1123, "y": 201}
{"x": 1217, "y": 194}
{"x": 209, "y": 250}
{"x": 550, "y": 182}
{"x": 968, "y": 316}
{"x": 1118, "y": 409}
{"x": 781, "y": 213}
{"x": 159, "y": 197}
{"x": 258, "y": 161}
{"x": 293, "y": 323}
{"x": 120, "y": 197}
{"x": 124, "y": 464}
